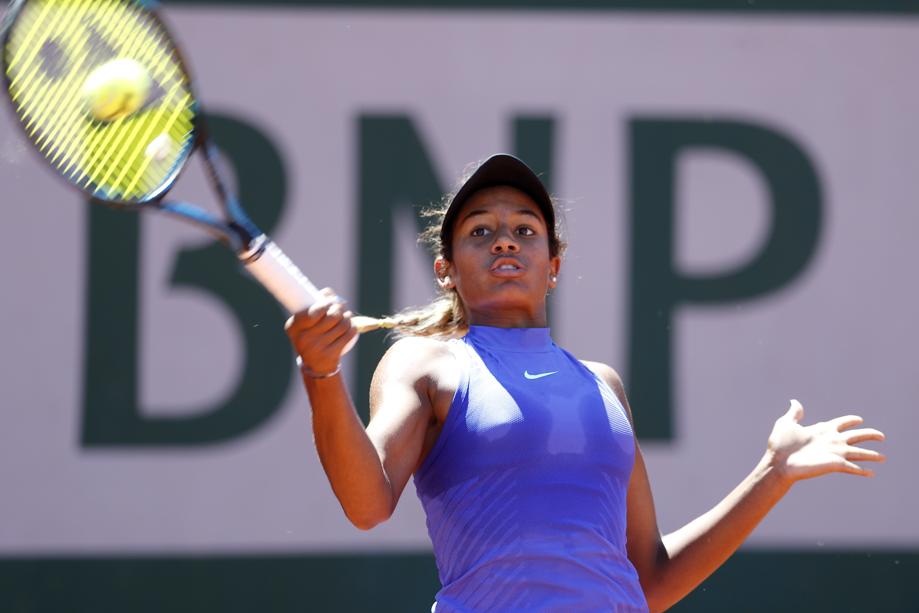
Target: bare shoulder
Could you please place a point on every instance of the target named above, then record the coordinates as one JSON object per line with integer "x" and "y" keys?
{"x": 412, "y": 358}
{"x": 609, "y": 376}
{"x": 422, "y": 366}
{"x": 607, "y": 373}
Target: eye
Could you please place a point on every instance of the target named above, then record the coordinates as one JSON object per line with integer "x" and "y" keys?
{"x": 479, "y": 231}
{"x": 526, "y": 231}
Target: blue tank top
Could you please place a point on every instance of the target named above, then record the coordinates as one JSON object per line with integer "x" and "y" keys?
{"x": 525, "y": 488}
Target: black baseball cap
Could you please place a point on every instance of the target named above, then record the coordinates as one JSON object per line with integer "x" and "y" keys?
{"x": 500, "y": 169}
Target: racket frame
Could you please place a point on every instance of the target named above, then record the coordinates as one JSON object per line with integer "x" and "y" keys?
{"x": 260, "y": 256}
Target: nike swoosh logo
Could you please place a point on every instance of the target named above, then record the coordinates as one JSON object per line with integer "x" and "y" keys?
{"x": 538, "y": 375}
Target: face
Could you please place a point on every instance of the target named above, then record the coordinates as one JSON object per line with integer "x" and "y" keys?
{"x": 501, "y": 266}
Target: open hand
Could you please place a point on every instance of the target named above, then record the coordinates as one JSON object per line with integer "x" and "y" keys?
{"x": 802, "y": 452}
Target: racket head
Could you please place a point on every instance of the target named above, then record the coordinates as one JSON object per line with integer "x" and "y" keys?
{"x": 52, "y": 49}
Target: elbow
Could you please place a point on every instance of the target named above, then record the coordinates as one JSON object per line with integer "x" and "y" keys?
{"x": 366, "y": 523}
{"x": 367, "y": 519}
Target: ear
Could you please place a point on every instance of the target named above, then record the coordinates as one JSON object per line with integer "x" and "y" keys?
{"x": 442, "y": 271}
{"x": 555, "y": 265}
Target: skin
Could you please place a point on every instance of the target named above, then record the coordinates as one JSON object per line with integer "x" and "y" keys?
{"x": 502, "y": 269}
{"x": 501, "y": 264}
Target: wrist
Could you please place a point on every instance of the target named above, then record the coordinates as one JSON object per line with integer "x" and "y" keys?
{"x": 773, "y": 468}
{"x": 325, "y": 373}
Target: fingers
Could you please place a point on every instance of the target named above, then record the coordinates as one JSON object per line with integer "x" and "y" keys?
{"x": 851, "y": 455}
{"x": 346, "y": 335}
{"x": 854, "y": 469}
{"x": 324, "y": 318}
{"x": 857, "y": 454}
{"x": 853, "y": 437}
{"x": 845, "y": 422}
{"x": 324, "y": 326}
{"x": 329, "y": 305}
{"x": 321, "y": 332}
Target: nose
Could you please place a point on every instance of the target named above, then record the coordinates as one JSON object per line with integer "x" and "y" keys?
{"x": 504, "y": 243}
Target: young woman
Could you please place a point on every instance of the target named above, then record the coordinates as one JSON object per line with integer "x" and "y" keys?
{"x": 534, "y": 487}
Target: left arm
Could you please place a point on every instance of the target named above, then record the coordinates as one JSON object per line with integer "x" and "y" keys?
{"x": 671, "y": 566}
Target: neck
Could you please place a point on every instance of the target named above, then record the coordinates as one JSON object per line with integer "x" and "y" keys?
{"x": 508, "y": 319}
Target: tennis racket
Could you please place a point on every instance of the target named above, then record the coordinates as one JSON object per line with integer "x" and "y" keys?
{"x": 103, "y": 93}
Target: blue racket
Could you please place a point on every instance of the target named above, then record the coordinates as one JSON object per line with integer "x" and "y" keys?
{"x": 103, "y": 93}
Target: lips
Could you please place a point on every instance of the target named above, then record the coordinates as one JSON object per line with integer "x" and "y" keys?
{"x": 507, "y": 267}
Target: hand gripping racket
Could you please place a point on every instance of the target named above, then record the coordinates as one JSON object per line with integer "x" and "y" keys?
{"x": 103, "y": 93}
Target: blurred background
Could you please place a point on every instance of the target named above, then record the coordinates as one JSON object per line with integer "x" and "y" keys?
{"x": 739, "y": 180}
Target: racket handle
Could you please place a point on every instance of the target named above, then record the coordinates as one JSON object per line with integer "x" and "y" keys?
{"x": 273, "y": 269}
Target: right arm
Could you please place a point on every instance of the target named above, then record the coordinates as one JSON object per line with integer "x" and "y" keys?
{"x": 367, "y": 468}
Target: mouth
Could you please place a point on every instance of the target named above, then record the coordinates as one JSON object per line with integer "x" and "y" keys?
{"x": 507, "y": 267}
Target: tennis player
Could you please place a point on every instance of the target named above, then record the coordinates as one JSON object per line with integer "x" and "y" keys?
{"x": 523, "y": 456}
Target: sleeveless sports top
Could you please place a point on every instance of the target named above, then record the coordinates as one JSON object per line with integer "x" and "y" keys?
{"x": 525, "y": 488}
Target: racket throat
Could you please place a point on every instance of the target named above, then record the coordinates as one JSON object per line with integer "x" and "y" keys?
{"x": 245, "y": 238}
{"x": 252, "y": 249}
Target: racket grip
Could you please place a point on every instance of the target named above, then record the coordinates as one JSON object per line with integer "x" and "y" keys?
{"x": 280, "y": 276}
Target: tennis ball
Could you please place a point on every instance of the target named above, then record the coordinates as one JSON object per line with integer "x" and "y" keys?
{"x": 116, "y": 89}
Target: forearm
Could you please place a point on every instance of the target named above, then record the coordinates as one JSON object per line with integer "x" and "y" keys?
{"x": 697, "y": 549}
{"x": 348, "y": 456}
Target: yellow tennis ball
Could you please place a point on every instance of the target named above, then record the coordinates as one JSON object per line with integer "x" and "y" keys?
{"x": 116, "y": 89}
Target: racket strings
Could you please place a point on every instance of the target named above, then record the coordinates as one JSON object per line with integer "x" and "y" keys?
{"x": 32, "y": 76}
{"x": 128, "y": 157}
{"x": 60, "y": 135}
{"x": 35, "y": 83}
{"x": 164, "y": 70}
{"x": 120, "y": 142}
{"x": 53, "y": 48}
